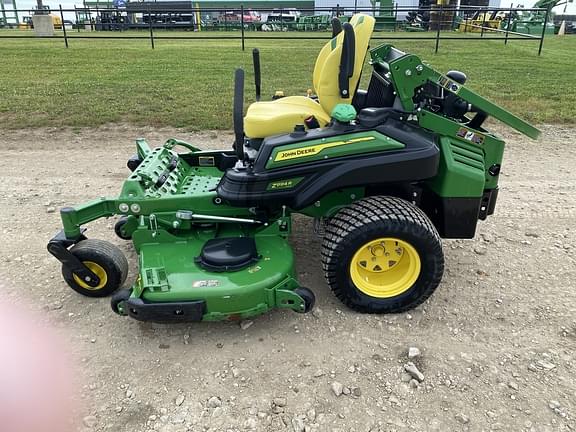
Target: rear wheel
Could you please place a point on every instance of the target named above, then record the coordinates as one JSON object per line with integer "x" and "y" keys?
{"x": 105, "y": 260}
{"x": 382, "y": 255}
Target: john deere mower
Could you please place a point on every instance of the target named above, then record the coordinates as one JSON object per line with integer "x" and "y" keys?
{"x": 385, "y": 172}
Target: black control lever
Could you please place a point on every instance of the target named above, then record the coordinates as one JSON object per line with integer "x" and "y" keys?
{"x": 238, "y": 113}
{"x": 256, "y": 61}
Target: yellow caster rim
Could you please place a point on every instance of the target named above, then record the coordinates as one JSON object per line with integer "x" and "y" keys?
{"x": 98, "y": 270}
{"x": 385, "y": 267}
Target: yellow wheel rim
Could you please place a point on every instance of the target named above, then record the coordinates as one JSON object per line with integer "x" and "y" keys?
{"x": 385, "y": 267}
{"x": 98, "y": 270}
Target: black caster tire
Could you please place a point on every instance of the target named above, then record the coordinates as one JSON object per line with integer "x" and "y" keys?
{"x": 308, "y": 296}
{"x": 104, "y": 259}
{"x": 382, "y": 255}
{"x": 119, "y": 228}
{"x": 119, "y": 297}
{"x": 134, "y": 162}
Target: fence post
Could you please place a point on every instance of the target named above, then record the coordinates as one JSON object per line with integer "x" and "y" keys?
{"x": 150, "y": 28}
{"x": 63, "y": 26}
{"x": 483, "y": 22}
{"x": 76, "y": 14}
{"x": 543, "y": 31}
{"x": 508, "y": 22}
{"x": 356, "y": 6}
{"x": 438, "y": 25}
{"x": 89, "y": 15}
{"x": 242, "y": 24}
{"x": 193, "y": 17}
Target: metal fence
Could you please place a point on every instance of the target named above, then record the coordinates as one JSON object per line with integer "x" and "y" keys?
{"x": 239, "y": 24}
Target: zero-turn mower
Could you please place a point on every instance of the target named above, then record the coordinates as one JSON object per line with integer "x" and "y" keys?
{"x": 386, "y": 172}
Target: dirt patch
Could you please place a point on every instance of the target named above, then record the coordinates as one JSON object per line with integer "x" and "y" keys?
{"x": 497, "y": 339}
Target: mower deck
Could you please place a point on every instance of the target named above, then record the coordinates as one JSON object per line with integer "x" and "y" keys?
{"x": 171, "y": 275}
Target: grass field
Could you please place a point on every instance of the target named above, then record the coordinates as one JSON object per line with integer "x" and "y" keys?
{"x": 188, "y": 83}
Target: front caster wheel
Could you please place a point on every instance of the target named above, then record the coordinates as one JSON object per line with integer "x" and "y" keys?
{"x": 119, "y": 228}
{"x": 134, "y": 162}
{"x": 308, "y": 296}
{"x": 119, "y": 297}
{"x": 105, "y": 260}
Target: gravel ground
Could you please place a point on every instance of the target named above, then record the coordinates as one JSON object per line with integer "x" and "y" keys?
{"x": 495, "y": 343}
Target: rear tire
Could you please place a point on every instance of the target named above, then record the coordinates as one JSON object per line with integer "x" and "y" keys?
{"x": 382, "y": 255}
{"x": 104, "y": 259}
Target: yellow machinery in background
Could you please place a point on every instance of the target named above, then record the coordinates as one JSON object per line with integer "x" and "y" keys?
{"x": 488, "y": 20}
{"x": 27, "y": 24}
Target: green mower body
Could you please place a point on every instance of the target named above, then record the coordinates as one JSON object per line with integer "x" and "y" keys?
{"x": 399, "y": 167}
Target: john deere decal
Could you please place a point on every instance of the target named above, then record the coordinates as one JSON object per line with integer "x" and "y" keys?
{"x": 315, "y": 149}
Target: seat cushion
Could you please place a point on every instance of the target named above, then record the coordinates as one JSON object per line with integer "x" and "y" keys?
{"x": 281, "y": 115}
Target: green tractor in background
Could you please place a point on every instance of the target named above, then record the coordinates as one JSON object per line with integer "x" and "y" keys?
{"x": 386, "y": 172}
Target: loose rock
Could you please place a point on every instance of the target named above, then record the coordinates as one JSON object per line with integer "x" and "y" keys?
{"x": 337, "y": 388}
{"x": 317, "y": 312}
{"x": 179, "y": 400}
{"x": 413, "y": 352}
{"x": 413, "y": 371}
{"x": 298, "y": 424}
{"x": 279, "y": 401}
{"x": 545, "y": 364}
{"x": 462, "y": 418}
{"x": 214, "y": 402}
{"x": 246, "y": 324}
{"x": 406, "y": 377}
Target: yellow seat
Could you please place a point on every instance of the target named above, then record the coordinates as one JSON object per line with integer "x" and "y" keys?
{"x": 280, "y": 116}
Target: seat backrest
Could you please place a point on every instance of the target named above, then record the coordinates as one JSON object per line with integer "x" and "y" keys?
{"x": 327, "y": 68}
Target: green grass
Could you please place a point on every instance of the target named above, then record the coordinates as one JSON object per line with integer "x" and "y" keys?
{"x": 188, "y": 83}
